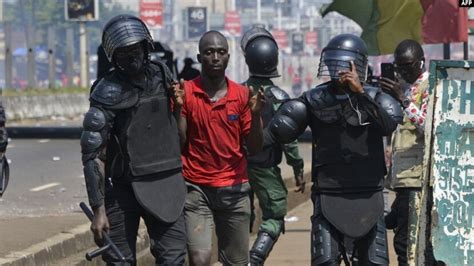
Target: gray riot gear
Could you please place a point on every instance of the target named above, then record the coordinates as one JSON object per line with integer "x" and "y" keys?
{"x": 261, "y": 53}
{"x": 121, "y": 117}
{"x": 328, "y": 245}
{"x": 289, "y": 122}
{"x": 114, "y": 95}
{"x": 348, "y": 156}
{"x": 3, "y": 139}
{"x": 261, "y": 248}
{"x": 252, "y": 34}
{"x": 277, "y": 95}
{"x": 389, "y": 104}
{"x": 95, "y": 179}
{"x": 94, "y": 120}
{"x": 124, "y": 30}
{"x": 91, "y": 143}
{"x": 338, "y": 53}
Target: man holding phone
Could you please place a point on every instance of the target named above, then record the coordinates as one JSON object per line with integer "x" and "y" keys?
{"x": 410, "y": 88}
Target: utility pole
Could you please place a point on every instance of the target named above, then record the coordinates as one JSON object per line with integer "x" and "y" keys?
{"x": 298, "y": 16}
{"x": 233, "y": 49}
{"x": 8, "y": 55}
{"x": 259, "y": 11}
{"x": 51, "y": 57}
{"x": 84, "y": 55}
{"x": 279, "y": 17}
{"x": 69, "y": 56}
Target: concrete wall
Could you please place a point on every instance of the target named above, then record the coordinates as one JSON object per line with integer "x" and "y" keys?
{"x": 38, "y": 107}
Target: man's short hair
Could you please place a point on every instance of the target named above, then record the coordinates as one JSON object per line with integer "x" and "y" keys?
{"x": 211, "y": 32}
{"x": 409, "y": 45}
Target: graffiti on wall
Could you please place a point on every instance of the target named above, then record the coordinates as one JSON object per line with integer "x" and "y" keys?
{"x": 453, "y": 172}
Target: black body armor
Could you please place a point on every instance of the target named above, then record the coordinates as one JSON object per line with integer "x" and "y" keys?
{"x": 270, "y": 155}
{"x": 136, "y": 125}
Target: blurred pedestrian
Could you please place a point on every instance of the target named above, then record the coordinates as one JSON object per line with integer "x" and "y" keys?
{"x": 188, "y": 72}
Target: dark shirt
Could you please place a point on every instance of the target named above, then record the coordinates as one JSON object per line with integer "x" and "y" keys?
{"x": 189, "y": 73}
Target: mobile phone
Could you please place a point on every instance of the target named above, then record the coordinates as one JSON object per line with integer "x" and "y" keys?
{"x": 387, "y": 70}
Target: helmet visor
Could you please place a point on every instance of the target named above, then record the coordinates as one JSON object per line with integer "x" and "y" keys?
{"x": 333, "y": 61}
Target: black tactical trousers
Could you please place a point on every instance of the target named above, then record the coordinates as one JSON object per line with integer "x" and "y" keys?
{"x": 167, "y": 240}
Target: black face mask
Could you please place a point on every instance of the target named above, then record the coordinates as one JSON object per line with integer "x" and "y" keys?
{"x": 130, "y": 59}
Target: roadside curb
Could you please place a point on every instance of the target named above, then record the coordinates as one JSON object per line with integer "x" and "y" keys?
{"x": 64, "y": 132}
{"x": 54, "y": 248}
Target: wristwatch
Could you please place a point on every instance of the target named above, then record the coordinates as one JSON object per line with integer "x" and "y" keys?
{"x": 405, "y": 102}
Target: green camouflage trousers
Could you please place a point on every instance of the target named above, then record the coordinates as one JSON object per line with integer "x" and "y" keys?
{"x": 270, "y": 189}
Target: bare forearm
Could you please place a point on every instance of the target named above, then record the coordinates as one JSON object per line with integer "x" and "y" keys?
{"x": 255, "y": 137}
{"x": 182, "y": 129}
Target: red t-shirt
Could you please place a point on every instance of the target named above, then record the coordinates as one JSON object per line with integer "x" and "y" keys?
{"x": 214, "y": 155}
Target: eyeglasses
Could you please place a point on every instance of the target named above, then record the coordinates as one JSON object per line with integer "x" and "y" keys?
{"x": 406, "y": 65}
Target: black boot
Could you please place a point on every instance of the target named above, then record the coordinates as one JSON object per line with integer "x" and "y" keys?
{"x": 261, "y": 248}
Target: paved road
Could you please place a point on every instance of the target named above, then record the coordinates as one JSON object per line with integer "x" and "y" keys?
{"x": 46, "y": 178}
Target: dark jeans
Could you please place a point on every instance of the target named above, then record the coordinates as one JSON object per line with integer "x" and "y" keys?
{"x": 399, "y": 213}
{"x": 167, "y": 240}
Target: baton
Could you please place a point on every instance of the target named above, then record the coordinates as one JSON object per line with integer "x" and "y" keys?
{"x": 108, "y": 242}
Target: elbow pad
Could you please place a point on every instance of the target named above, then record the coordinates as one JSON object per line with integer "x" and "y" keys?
{"x": 91, "y": 143}
{"x": 391, "y": 106}
{"x": 289, "y": 122}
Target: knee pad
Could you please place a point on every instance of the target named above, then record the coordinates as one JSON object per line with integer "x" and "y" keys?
{"x": 261, "y": 248}
{"x": 378, "y": 248}
{"x": 320, "y": 241}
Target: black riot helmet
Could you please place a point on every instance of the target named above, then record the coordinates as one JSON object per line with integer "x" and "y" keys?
{"x": 261, "y": 52}
{"x": 338, "y": 53}
{"x": 125, "y": 30}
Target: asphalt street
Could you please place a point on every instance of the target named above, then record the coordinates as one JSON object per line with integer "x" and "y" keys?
{"x": 45, "y": 178}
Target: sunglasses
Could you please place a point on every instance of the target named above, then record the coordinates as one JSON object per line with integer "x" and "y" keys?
{"x": 405, "y": 66}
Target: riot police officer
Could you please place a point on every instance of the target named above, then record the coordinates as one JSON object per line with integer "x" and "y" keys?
{"x": 261, "y": 56}
{"x": 130, "y": 149}
{"x": 348, "y": 120}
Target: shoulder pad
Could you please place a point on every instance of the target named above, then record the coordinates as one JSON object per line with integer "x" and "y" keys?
{"x": 371, "y": 90}
{"x": 320, "y": 97}
{"x": 279, "y": 95}
{"x": 113, "y": 94}
{"x": 390, "y": 105}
